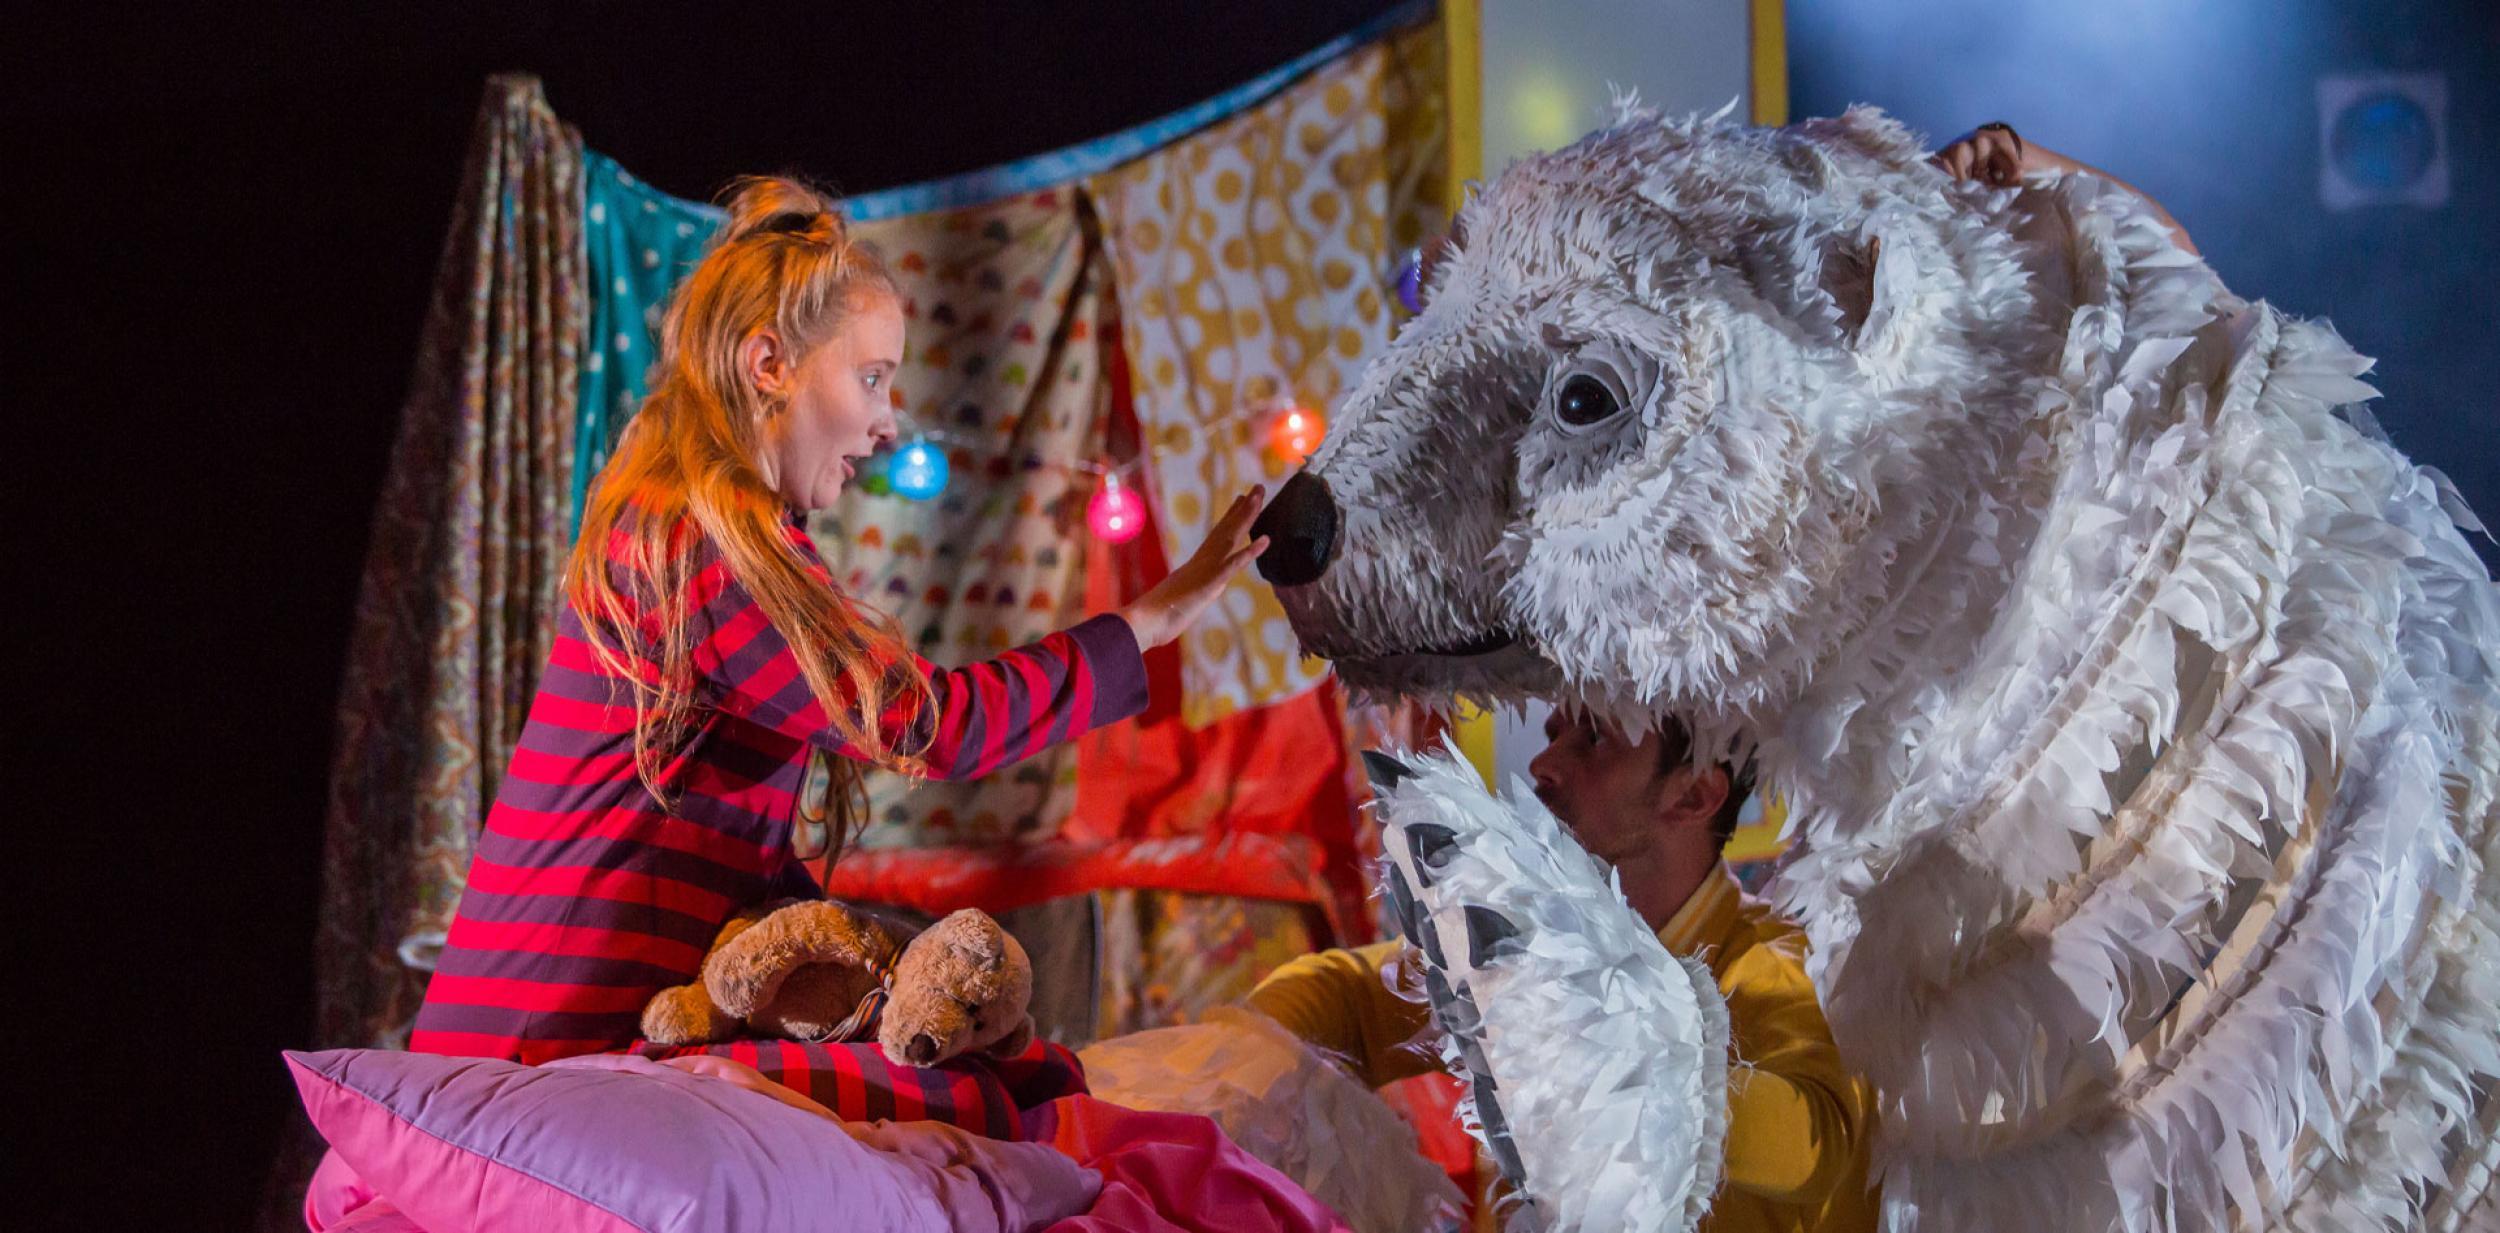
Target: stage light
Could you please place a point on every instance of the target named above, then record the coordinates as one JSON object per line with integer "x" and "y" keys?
{"x": 2382, "y": 140}
{"x": 872, "y": 477}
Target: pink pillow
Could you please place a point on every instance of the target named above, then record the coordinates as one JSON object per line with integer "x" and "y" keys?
{"x": 611, "y": 1143}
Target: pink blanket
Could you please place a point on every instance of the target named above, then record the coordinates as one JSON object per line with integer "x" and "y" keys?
{"x": 1158, "y": 1172}
{"x": 1171, "y": 1173}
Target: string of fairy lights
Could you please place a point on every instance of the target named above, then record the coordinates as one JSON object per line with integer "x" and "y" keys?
{"x": 920, "y": 468}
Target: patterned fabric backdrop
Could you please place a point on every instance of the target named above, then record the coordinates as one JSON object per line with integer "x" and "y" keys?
{"x": 1003, "y": 307}
{"x": 469, "y": 536}
{"x": 1284, "y": 223}
{"x": 1169, "y": 957}
{"x": 1253, "y": 264}
{"x": 639, "y": 242}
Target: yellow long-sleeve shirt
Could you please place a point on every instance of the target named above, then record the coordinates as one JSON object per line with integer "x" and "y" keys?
{"x": 1798, "y": 1122}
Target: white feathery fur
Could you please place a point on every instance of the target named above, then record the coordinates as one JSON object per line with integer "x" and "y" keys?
{"x": 1627, "y": 1131}
{"x": 2132, "y": 697}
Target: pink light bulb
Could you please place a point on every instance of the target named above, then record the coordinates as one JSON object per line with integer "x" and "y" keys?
{"x": 1115, "y": 515}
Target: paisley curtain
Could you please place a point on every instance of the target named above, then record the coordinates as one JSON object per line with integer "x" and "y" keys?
{"x": 469, "y": 536}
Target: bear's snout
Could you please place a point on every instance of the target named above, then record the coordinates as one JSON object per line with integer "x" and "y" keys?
{"x": 922, "y": 1050}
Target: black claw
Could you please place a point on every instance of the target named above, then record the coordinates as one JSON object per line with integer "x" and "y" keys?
{"x": 1488, "y": 932}
{"x": 1434, "y": 844}
{"x": 1386, "y": 772}
{"x": 1497, "y": 1133}
{"x": 1411, "y": 919}
{"x": 1456, "y": 1012}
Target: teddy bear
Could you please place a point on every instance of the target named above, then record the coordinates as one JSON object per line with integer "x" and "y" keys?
{"x": 814, "y": 969}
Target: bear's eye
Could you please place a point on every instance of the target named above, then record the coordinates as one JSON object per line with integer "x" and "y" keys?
{"x": 1596, "y": 383}
{"x": 1585, "y": 400}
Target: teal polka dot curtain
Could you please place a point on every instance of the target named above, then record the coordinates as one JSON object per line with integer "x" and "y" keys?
{"x": 639, "y": 242}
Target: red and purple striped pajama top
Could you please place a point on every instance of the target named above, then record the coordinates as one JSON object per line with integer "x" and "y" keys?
{"x": 586, "y": 896}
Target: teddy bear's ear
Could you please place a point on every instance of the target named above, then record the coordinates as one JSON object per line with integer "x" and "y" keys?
{"x": 1017, "y": 1040}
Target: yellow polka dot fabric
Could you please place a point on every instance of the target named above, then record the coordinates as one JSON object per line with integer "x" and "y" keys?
{"x": 1255, "y": 266}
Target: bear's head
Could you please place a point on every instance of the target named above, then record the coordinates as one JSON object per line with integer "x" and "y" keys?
{"x": 963, "y": 985}
{"x": 1680, "y": 395}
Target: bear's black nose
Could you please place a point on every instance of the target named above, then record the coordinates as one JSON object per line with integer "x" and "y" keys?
{"x": 922, "y": 1050}
{"x": 1301, "y": 530}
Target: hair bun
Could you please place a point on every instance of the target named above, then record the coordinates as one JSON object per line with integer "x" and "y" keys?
{"x": 779, "y": 205}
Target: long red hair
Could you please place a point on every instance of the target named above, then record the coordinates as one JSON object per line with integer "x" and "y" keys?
{"x": 684, "y": 473}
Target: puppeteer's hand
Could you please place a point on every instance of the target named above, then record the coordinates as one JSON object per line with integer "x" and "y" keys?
{"x": 1991, "y": 154}
{"x": 1173, "y": 605}
{"x": 1995, "y": 154}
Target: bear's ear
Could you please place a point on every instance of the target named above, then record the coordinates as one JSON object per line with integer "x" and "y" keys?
{"x": 978, "y": 938}
{"x": 1868, "y": 282}
{"x": 1865, "y": 132}
{"x": 970, "y": 931}
{"x": 1848, "y": 279}
{"x": 1018, "y": 1039}
{"x": 982, "y": 971}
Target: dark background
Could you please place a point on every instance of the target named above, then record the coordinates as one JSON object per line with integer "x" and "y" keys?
{"x": 2210, "y": 106}
{"x": 223, "y": 226}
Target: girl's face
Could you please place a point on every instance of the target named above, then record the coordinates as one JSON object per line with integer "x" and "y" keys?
{"x": 840, "y": 407}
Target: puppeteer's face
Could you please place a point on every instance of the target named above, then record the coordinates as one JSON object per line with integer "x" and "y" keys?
{"x": 1604, "y": 787}
{"x": 841, "y": 406}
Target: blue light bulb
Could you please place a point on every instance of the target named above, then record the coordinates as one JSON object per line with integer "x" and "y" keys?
{"x": 918, "y": 471}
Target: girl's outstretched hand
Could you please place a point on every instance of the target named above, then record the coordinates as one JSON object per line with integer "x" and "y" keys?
{"x": 1173, "y": 605}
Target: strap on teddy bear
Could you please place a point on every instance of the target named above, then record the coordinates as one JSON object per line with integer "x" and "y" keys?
{"x": 863, "y": 1018}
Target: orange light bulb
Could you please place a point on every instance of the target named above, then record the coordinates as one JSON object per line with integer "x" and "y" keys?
{"x": 1295, "y": 433}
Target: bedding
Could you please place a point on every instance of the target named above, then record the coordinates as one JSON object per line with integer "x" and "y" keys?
{"x": 1289, "y": 1105}
{"x": 613, "y": 1142}
{"x": 703, "y": 1141}
{"x": 978, "y": 1093}
{"x": 1172, "y": 1173}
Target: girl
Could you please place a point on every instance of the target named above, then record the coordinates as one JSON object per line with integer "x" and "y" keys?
{"x": 703, "y": 651}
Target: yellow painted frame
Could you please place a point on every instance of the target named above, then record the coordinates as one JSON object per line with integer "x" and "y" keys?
{"x": 1462, "y": 27}
{"x": 1770, "y": 107}
{"x": 1770, "y": 62}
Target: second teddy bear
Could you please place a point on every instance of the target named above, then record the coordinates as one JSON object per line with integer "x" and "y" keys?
{"x": 817, "y": 970}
